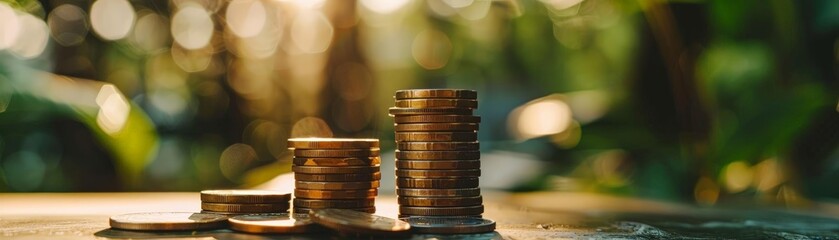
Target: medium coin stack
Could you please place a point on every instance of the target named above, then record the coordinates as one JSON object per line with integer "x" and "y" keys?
{"x": 338, "y": 173}
{"x": 437, "y": 156}
{"x": 239, "y": 202}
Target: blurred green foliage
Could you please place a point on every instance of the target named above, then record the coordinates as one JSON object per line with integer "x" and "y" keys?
{"x": 664, "y": 95}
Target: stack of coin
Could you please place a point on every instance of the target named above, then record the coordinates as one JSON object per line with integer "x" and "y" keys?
{"x": 437, "y": 157}
{"x": 338, "y": 173}
{"x": 238, "y": 202}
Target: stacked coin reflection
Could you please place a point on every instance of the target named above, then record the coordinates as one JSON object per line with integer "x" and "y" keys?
{"x": 238, "y": 202}
{"x": 338, "y": 173}
{"x": 437, "y": 157}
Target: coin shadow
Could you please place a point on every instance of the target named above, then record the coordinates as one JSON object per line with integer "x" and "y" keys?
{"x": 111, "y": 233}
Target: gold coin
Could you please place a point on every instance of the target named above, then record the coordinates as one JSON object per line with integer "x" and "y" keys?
{"x": 335, "y": 185}
{"x": 334, "y": 170}
{"x": 459, "y": 173}
{"x": 436, "y": 93}
{"x": 298, "y": 210}
{"x": 357, "y": 222}
{"x": 435, "y": 127}
{"x": 450, "y": 225}
{"x": 335, "y": 194}
{"x": 244, "y": 196}
{"x": 337, "y": 162}
{"x": 441, "y": 211}
{"x": 438, "y": 146}
{"x": 452, "y": 192}
{"x": 272, "y": 223}
{"x": 438, "y": 155}
{"x": 168, "y": 221}
{"x": 333, "y": 143}
{"x": 337, "y": 153}
{"x": 245, "y": 207}
{"x": 437, "y": 183}
{"x": 396, "y": 111}
{"x": 350, "y": 177}
{"x": 403, "y": 216}
{"x": 440, "y": 201}
{"x": 228, "y": 214}
{"x": 436, "y": 136}
{"x": 437, "y": 119}
{"x": 438, "y": 164}
{"x": 437, "y": 103}
{"x": 333, "y": 203}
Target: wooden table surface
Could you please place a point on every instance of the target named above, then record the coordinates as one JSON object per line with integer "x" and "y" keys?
{"x": 541, "y": 215}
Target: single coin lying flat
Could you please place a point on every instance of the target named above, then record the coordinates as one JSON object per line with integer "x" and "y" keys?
{"x": 272, "y": 223}
{"x": 245, "y": 207}
{"x": 332, "y": 143}
{"x": 358, "y": 222}
{"x": 450, "y": 225}
{"x": 244, "y": 196}
{"x": 302, "y": 210}
{"x": 168, "y": 221}
{"x": 436, "y": 93}
{"x": 336, "y": 185}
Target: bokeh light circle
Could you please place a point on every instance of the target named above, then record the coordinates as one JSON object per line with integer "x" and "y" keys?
{"x": 112, "y": 19}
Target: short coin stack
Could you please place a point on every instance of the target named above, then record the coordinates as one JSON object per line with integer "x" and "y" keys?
{"x": 338, "y": 173}
{"x": 437, "y": 157}
{"x": 238, "y": 202}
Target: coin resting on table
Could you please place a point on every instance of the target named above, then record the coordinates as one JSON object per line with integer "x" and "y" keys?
{"x": 272, "y": 223}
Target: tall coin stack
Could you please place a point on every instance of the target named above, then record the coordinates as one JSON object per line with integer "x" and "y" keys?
{"x": 335, "y": 173}
{"x": 437, "y": 156}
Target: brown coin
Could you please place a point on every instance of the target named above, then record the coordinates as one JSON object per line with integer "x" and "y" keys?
{"x": 245, "y": 208}
{"x": 440, "y": 201}
{"x": 350, "y": 177}
{"x": 335, "y": 194}
{"x": 357, "y": 222}
{"x": 403, "y": 216}
{"x": 438, "y": 155}
{"x": 337, "y": 162}
{"x": 452, "y": 192}
{"x": 450, "y": 225}
{"x": 244, "y": 196}
{"x": 441, "y": 211}
{"x": 437, "y": 103}
{"x": 436, "y": 136}
{"x": 335, "y": 185}
{"x": 334, "y": 170}
{"x": 437, "y": 183}
{"x": 435, "y": 127}
{"x": 332, "y": 143}
{"x": 337, "y": 153}
{"x": 438, "y": 146}
{"x": 307, "y": 210}
{"x": 228, "y": 214}
{"x": 334, "y": 203}
{"x": 395, "y": 111}
{"x": 459, "y": 173}
{"x": 272, "y": 223}
{"x": 168, "y": 221}
{"x": 438, "y": 164}
{"x": 436, "y": 93}
{"x": 437, "y": 119}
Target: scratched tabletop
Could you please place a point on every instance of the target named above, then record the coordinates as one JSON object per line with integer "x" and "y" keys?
{"x": 539, "y": 215}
